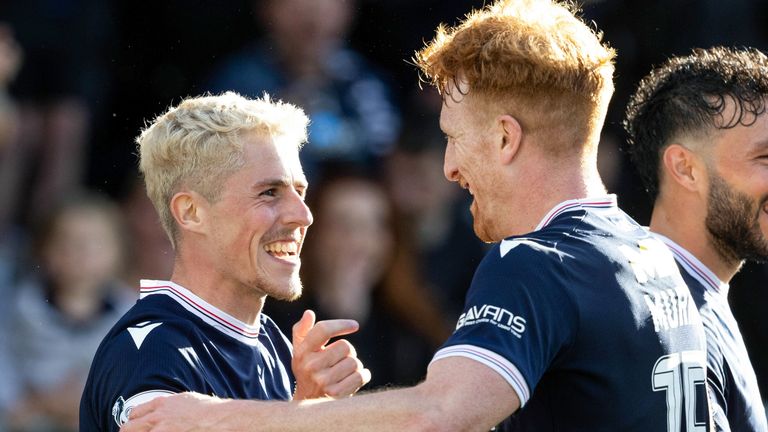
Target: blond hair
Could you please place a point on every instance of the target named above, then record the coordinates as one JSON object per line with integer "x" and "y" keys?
{"x": 533, "y": 59}
{"x": 198, "y": 145}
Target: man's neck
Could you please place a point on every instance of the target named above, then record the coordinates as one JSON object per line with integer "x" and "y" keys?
{"x": 558, "y": 187}
{"x": 691, "y": 234}
{"x": 240, "y": 301}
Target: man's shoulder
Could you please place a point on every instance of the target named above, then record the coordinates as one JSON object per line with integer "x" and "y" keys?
{"x": 147, "y": 351}
{"x": 536, "y": 256}
{"x": 145, "y": 328}
{"x": 576, "y": 234}
{"x": 531, "y": 267}
{"x": 568, "y": 255}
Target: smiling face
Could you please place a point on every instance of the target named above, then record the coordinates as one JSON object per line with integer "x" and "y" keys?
{"x": 258, "y": 225}
{"x": 470, "y": 163}
{"x": 737, "y": 208}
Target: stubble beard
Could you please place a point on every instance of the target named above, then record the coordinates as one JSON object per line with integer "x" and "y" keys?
{"x": 480, "y": 228}
{"x": 277, "y": 287}
{"x": 290, "y": 292}
{"x": 733, "y": 224}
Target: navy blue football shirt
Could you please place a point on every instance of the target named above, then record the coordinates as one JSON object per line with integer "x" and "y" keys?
{"x": 737, "y": 405}
{"x": 589, "y": 321}
{"x": 173, "y": 341}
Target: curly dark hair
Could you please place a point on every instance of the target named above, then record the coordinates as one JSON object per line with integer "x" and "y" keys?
{"x": 689, "y": 95}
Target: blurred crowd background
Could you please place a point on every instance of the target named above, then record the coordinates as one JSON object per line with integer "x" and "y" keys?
{"x": 392, "y": 244}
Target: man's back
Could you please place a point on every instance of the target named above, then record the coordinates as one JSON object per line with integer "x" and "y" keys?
{"x": 737, "y": 405}
{"x": 590, "y": 322}
{"x": 172, "y": 341}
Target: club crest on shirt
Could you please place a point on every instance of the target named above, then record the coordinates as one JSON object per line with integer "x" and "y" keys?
{"x": 121, "y": 409}
{"x": 118, "y": 411}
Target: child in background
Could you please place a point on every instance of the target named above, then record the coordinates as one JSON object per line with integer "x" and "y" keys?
{"x": 62, "y": 310}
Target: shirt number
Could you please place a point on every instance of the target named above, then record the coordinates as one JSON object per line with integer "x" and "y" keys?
{"x": 683, "y": 376}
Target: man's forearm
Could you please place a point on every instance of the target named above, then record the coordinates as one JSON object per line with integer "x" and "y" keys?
{"x": 398, "y": 410}
{"x": 459, "y": 394}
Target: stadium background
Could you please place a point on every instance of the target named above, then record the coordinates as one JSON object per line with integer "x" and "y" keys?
{"x": 119, "y": 63}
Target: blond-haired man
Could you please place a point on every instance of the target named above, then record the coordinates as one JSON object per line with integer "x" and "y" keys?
{"x": 577, "y": 319}
{"x": 224, "y": 174}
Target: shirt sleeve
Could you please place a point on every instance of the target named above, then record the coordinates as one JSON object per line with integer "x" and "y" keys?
{"x": 135, "y": 368}
{"x": 517, "y": 317}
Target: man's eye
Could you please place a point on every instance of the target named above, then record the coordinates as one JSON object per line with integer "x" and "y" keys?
{"x": 270, "y": 192}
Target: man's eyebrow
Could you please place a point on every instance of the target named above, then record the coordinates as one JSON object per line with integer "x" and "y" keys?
{"x": 278, "y": 182}
{"x": 273, "y": 182}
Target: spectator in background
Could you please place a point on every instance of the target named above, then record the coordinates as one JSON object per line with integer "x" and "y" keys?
{"x": 10, "y": 60}
{"x": 349, "y": 271}
{"x": 61, "y": 88}
{"x": 62, "y": 310}
{"x": 149, "y": 250}
{"x": 10, "y": 56}
{"x": 304, "y": 59}
{"x": 432, "y": 213}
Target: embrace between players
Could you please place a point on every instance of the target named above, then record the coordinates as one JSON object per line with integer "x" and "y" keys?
{"x": 577, "y": 319}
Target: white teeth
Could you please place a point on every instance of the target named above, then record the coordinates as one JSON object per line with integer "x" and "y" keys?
{"x": 282, "y": 248}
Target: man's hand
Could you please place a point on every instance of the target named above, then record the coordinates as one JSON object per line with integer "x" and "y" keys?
{"x": 180, "y": 412}
{"x": 333, "y": 370}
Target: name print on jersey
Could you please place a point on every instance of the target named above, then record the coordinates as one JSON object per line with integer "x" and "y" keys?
{"x": 496, "y": 315}
{"x": 670, "y": 308}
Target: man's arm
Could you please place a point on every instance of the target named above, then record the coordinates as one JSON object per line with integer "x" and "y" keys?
{"x": 459, "y": 394}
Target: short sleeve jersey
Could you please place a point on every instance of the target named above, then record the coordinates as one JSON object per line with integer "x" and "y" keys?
{"x": 173, "y": 341}
{"x": 589, "y": 321}
{"x": 737, "y": 405}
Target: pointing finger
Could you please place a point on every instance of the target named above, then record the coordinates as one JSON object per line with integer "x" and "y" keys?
{"x": 322, "y": 332}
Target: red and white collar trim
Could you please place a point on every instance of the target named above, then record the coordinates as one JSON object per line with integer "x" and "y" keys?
{"x": 694, "y": 267}
{"x": 212, "y": 315}
{"x": 607, "y": 202}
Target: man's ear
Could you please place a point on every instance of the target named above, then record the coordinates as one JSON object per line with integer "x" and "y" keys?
{"x": 189, "y": 209}
{"x": 511, "y": 137}
{"x": 683, "y": 167}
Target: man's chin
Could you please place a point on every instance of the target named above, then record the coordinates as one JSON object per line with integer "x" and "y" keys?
{"x": 292, "y": 293}
{"x": 482, "y": 233}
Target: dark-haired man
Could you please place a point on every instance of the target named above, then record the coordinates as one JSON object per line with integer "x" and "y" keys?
{"x": 699, "y": 136}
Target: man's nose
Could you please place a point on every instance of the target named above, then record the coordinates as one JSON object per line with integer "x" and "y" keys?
{"x": 450, "y": 169}
{"x": 299, "y": 213}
